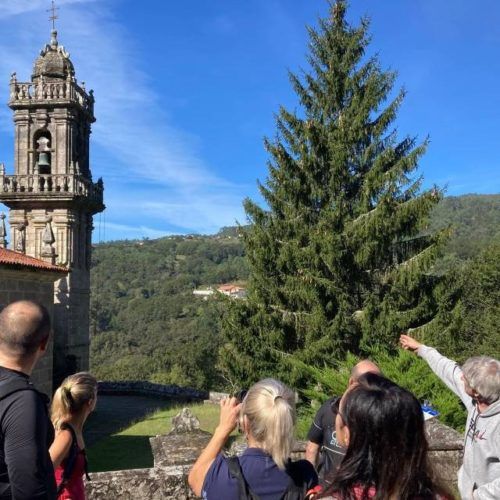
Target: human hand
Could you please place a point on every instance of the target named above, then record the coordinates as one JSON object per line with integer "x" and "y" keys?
{"x": 409, "y": 343}
{"x": 229, "y": 415}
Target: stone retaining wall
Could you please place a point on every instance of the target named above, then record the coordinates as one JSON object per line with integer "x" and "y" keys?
{"x": 175, "y": 453}
{"x": 149, "y": 389}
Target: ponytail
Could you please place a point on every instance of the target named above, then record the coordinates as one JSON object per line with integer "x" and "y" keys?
{"x": 270, "y": 410}
{"x": 69, "y": 399}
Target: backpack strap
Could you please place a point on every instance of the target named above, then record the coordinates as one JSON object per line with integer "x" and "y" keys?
{"x": 298, "y": 487}
{"x": 245, "y": 493}
{"x": 9, "y": 387}
{"x": 69, "y": 464}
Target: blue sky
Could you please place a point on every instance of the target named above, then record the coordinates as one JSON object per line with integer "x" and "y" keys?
{"x": 186, "y": 91}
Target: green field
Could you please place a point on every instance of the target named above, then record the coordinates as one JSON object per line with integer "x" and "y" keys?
{"x": 130, "y": 449}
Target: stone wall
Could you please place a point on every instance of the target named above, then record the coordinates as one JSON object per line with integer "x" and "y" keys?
{"x": 143, "y": 388}
{"x": 175, "y": 453}
{"x": 37, "y": 285}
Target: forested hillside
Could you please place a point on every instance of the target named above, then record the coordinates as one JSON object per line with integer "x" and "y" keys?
{"x": 146, "y": 323}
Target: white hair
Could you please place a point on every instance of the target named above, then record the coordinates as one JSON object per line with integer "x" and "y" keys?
{"x": 482, "y": 373}
{"x": 270, "y": 410}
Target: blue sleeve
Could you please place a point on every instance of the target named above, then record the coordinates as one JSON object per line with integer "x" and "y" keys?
{"x": 218, "y": 482}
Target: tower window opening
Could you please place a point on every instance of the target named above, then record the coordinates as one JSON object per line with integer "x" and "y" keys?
{"x": 43, "y": 154}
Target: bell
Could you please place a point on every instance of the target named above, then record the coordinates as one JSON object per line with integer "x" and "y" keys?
{"x": 44, "y": 163}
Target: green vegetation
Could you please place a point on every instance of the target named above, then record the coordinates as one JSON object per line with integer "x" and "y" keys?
{"x": 130, "y": 448}
{"x": 145, "y": 322}
{"x": 340, "y": 256}
{"x": 123, "y": 271}
{"x": 405, "y": 368}
{"x": 345, "y": 256}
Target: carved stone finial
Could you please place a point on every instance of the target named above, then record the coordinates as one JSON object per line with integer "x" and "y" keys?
{"x": 21, "y": 238}
{"x": 13, "y": 77}
{"x": 53, "y": 39}
{"x": 3, "y": 231}
{"x": 48, "y": 252}
{"x": 2, "y": 169}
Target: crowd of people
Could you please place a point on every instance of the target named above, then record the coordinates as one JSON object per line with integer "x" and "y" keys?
{"x": 368, "y": 443}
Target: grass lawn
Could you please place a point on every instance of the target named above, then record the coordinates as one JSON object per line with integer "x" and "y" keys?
{"x": 130, "y": 449}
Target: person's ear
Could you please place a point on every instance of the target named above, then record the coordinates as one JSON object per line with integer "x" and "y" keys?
{"x": 44, "y": 343}
{"x": 244, "y": 424}
{"x": 347, "y": 436}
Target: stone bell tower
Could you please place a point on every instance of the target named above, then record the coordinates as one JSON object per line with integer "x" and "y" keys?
{"x": 51, "y": 195}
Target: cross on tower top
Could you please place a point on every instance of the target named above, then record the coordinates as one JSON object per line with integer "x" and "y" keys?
{"x": 53, "y": 17}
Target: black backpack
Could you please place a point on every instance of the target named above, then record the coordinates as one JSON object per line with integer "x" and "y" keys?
{"x": 70, "y": 461}
{"x": 296, "y": 490}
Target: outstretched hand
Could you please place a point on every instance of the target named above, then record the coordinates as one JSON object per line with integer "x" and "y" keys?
{"x": 409, "y": 343}
{"x": 229, "y": 415}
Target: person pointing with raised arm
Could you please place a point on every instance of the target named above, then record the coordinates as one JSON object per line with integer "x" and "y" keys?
{"x": 477, "y": 384}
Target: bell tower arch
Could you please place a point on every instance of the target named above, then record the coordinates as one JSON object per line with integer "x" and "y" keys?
{"x": 51, "y": 195}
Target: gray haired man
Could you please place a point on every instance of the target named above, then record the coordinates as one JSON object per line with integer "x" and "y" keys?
{"x": 477, "y": 384}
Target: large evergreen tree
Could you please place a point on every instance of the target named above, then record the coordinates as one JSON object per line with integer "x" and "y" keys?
{"x": 339, "y": 257}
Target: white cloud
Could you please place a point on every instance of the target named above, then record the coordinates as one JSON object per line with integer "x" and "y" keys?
{"x": 132, "y": 128}
{"x": 125, "y": 231}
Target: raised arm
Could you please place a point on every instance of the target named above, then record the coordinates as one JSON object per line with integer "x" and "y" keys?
{"x": 229, "y": 414}
{"x": 446, "y": 369}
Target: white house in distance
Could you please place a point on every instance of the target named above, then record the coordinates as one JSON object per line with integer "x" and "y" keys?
{"x": 229, "y": 289}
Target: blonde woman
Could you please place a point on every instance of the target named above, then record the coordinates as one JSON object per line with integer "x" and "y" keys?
{"x": 72, "y": 404}
{"x": 267, "y": 418}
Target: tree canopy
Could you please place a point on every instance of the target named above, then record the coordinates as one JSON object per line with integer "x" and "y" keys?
{"x": 339, "y": 256}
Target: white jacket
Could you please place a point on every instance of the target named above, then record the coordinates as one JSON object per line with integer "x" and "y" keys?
{"x": 479, "y": 476}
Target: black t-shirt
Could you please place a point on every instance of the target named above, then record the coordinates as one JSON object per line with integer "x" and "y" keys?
{"x": 322, "y": 432}
{"x": 26, "y": 434}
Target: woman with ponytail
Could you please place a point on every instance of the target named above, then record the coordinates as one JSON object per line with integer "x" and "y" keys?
{"x": 71, "y": 405}
{"x": 267, "y": 418}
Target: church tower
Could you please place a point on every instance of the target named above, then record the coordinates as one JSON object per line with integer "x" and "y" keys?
{"x": 51, "y": 195}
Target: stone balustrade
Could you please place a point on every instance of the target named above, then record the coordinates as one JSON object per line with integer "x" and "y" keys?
{"x": 51, "y": 183}
{"x": 24, "y": 92}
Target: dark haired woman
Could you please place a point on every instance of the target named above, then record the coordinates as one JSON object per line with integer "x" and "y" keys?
{"x": 382, "y": 427}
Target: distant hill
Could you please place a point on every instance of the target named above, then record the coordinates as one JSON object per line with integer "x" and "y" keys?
{"x": 147, "y": 324}
{"x": 474, "y": 219}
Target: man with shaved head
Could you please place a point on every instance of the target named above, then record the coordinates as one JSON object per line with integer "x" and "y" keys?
{"x": 321, "y": 438}
{"x": 25, "y": 430}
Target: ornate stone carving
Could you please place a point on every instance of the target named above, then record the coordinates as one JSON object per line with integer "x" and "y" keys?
{"x": 48, "y": 251}
{"x": 21, "y": 237}
{"x": 3, "y": 232}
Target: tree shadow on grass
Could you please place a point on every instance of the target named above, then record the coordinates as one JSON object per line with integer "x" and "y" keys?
{"x": 115, "y": 413}
{"x": 120, "y": 452}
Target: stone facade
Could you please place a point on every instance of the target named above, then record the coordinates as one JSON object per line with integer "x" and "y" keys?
{"x": 37, "y": 285}
{"x": 175, "y": 453}
{"x": 51, "y": 195}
